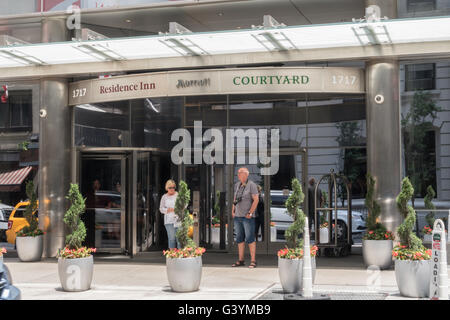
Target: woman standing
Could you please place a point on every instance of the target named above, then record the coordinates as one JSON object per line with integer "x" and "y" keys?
{"x": 167, "y": 207}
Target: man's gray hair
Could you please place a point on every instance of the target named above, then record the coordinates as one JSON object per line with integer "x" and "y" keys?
{"x": 244, "y": 169}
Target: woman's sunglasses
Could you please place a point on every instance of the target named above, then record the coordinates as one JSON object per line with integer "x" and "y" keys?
{"x": 171, "y": 188}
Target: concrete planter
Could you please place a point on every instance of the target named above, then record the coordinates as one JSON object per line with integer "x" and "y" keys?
{"x": 291, "y": 274}
{"x": 29, "y": 249}
{"x": 324, "y": 235}
{"x": 377, "y": 253}
{"x": 413, "y": 277}
{"x": 76, "y": 274}
{"x": 184, "y": 274}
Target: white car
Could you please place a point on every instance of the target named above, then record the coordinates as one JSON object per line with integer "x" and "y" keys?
{"x": 283, "y": 220}
{"x": 5, "y": 211}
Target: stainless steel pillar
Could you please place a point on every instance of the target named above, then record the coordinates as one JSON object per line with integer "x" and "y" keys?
{"x": 54, "y": 148}
{"x": 383, "y": 136}
{"x": 383, "y": 128}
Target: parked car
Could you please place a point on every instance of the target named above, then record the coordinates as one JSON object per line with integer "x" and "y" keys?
{"x": 17, "y": 221}
{"x": 5, "y": 212}
{"x": 283, "y": 220}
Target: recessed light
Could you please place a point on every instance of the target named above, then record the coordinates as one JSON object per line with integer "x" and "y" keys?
{"x": 128, "y": 21}
{"x": 220, "y": 14}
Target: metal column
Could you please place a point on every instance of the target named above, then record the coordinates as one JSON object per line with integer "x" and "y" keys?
{"x": 383, "y": 136}
{"x": 54, "y": 148}
{"x": 383, "y": 127}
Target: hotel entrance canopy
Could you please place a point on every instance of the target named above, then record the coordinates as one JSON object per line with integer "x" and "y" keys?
{"x": 402, "y": 38}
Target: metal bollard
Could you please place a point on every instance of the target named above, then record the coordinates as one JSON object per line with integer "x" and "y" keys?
{"x": 307, "y": 272}
{"x": 439, "y": 275}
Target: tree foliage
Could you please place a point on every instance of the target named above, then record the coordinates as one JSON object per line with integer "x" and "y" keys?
{"x": 31, "y": 218}
{"x": 373, "y": 207}
{"x": 181, "y": 203}
{"x": 405, "y": 231}
{"x": 72, "y": 218}
{"x": 419, "y": 165}
{"x": 293, "y": 204}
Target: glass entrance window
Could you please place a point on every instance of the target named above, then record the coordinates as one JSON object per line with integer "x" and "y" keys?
{"x": 208, "y": 181}
{"x": 102, "y": 184}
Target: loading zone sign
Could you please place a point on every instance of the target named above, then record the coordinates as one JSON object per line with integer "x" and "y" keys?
{"x": 439, "y": 276}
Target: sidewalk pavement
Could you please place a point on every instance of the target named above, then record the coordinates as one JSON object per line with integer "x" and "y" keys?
{"x": 144, "y": 277}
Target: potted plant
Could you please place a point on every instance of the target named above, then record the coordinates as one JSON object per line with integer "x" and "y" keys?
{"x": 323, "y": 230}
{"x": 29, "y": 240}
{"x": 377, "y": 241}
{"x": 184, "y": 266}
{"x": 290, "y": 259}
{"x": 412, "y": 260}
{"x": 75, "y": 262}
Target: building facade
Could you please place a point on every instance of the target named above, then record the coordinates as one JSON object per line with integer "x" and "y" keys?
{"x": 95, "y": 95}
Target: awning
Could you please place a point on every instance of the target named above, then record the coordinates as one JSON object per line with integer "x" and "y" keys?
{"x": 12, "y": 180}
{"x": 284, "y": 39}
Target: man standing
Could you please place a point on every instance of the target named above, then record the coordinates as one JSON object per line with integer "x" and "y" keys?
{"x": 243, "y": 212}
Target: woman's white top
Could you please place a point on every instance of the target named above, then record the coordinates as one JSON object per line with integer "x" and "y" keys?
{"x": 168, "y": 201}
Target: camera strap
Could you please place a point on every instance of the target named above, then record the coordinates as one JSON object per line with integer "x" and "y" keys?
{"x": 240, "y": 190}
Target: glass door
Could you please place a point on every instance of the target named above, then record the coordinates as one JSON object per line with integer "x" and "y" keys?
{"x": 291, "y": 165}
{"x": 104, "y": 185}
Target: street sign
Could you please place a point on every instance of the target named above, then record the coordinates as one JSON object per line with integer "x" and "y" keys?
{"x": 439, "y": 275}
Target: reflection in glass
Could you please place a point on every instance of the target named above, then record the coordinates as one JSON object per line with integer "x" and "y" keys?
{"x": 102, "y": 188}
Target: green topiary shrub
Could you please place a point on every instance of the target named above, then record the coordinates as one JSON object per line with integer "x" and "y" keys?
{"x": 72, "y": 218}
{"x": 375, "y": 229}
{"x": 77, "y": 230}
{"x": 181, "y": 203}
{"x": 32, "y": 229}
{"x": 293, "y": 204}
{"x": 411, "y": 247}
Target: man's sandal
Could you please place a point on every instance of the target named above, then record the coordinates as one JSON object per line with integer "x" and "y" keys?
{"x": 252, "y": 265}
{"x": 238, "y": 263}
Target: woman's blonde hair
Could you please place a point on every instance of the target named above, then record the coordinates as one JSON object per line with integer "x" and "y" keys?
{"x": 169, "y": 183}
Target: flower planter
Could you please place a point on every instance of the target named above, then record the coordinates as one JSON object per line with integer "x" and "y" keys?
{"x": 413, "y": 277}
{"x": 184, "y": 274}
{"x": 29, "y": 249}
{"x": 324, "y": 235}
{"x": 291, "y": 274}
{"x": 76, "y": 274}
{"x": 377, "y": 253}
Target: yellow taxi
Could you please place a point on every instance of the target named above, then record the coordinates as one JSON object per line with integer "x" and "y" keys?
{"x": 17, "y": 221}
